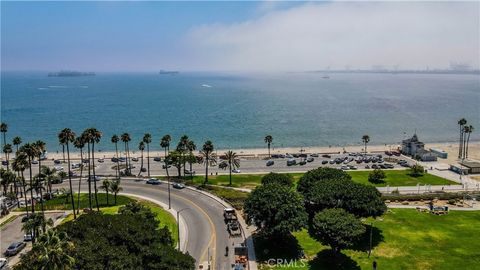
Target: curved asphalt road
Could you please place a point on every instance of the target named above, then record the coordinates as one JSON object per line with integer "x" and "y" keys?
{"x": 207, "y": 234}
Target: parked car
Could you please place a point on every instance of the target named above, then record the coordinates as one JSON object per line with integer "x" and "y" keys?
{"x": 178, "y": 185}
{"x": 314, "y": 155}
{"x": 157, "y": 159}
{"x": 75, "y": 165}
{"x": 326, "y": 156}
{"x": 345, "y": 167}
{"x": 389, "y": 166}
{"x": 143, "y": 169}
{"x": 153, "y": 181}
{"x": 27, "y": 237}
{"x": 58, "y": 168}
{"x": 135, "y": 159}
{"x": 14, "y": 248}
{"x": 310, "y": 159}
{"x": 34, "y": 161}
{"x": 288, "y": 155}
{"x": 291, "y": 162}
{"x": 57, "y": 161}
{"x": 270, "y": 163}
{"x": 4, "y": 162}
{"x": 303, "y": 162}
{"x": 324, "y": 161}
{"x": 92, "y": 178}
{"x": 166, "y": 166}
{"x": 3, "y": 263}
{"x": 352, "y": 167}
{"x": 186, "y": 171}
{"x": 367, "y": 167}
{"x": 236, "y": 170}
{"x": 121, "y": 159}
{"x": 100, "y": 160}
{"x": 114, "y": 159}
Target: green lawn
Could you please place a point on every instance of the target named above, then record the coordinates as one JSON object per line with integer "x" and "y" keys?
{"x": 404, "y": 239}
{"x": 394, "y": 178}
{"x": 64, "y": 203}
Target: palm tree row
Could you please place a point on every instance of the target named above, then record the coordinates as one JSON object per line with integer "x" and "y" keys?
{"x": 465, "y": 131}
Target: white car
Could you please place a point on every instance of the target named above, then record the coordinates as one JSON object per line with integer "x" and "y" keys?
{"x": 58, "y": 168}
{"x": 3, "y": 263}
{"x": 236, "y": 171}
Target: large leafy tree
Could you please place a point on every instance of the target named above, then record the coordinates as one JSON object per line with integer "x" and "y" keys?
{"x": 268, "y": 140}
{"x": 147, "y": 139}
{"x": 278, "y": 178}
{"x": 275, "y": 210}
{"x": 66, "y": 137}
{"x": 209, "y": 159}
{"x": 336, "y": 228}
{"x": 310, "y": 178}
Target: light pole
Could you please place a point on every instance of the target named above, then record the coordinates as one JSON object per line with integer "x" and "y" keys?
{"x": 178, "y": 225}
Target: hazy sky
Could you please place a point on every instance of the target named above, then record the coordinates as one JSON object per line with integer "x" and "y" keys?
{"x": 258, "y": 36}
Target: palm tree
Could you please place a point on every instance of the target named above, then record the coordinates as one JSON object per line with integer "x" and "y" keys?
{"x": 268, "y": 141}
{"x": 125, "y": 139}
{"x": 52, "y": 251}
{"x": 165, "y": 143}
{"x": 464, "y": 143}
{"x": 147, "y": 139}
{"x": 8, "y": 177}
{"x": 141, "y": 147}
{"x": 366, "y": 140}
{"x": 208, "y": 157}
{"x": 87, "y": 138}
{"x": 17, "y": 141}
{"x": 182, "y": 148}
{"x": 191, "y": 147}
{"x": 20, "y": 165}
{"x": 115, "y": 188}
{"x": 115, "y": 140}
{"x": 461, "y": 123}
{"x": 470, "y": 130}
{"x": 233, "y": 162}
{"x": 31, "y": 152}
{"x": 49, "y": 174}
{"x": 7, "y": 149}
{"x": 4, "y": 129}
{"x": 67, "y": 136}
{"x": 39, "y": 188}
{"x": 34, "y": 223}
{"x": 79, "y": 143}
{"x": 41, "y": 148}
{"x": 95, "y": 136}
{"x": 106, "y": 186}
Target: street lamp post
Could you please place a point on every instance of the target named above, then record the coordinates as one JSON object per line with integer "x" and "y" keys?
{"x": 178, "y": 225}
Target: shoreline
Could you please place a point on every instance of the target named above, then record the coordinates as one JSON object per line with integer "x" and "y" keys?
{"x": 450, "y": 147}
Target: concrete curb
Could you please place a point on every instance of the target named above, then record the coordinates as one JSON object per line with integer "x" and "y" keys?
{"x": 182, "y": 224}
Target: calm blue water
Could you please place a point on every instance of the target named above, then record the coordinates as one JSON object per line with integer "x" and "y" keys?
{"x": 237, "y": 111}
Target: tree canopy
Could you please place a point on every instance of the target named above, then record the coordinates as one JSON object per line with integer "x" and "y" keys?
{"x": 277, "y": 178}
{"x": 377, "y": 176}
{"x": 336, "y": 228}
{"x": 310, "y": 178}
{"x": 275, "y": 209}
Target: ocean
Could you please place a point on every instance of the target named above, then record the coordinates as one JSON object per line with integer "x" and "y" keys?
{"x": 236, "y": 110}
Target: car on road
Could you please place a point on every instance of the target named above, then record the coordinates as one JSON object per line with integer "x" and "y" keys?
{"x": 58, "y": 168}
{"x": 92, "y": 178}
{"x": 3, "y": 263}
{"x": 187, "y": 171}
{"x": 166, "y": 166}
{"x": 14, "y": 248}
{"x": 291, "y": 162}
{"x": 153, "y": 181}
{"x": 157, "y": 159}
{"x": 270, "y": 163}
{"x": 27, "y": 237}
{"x": 326, "y": 156}
{"x": 34, "y": 161}
{"x": 310, "y": 159}
{"x": 324, "y": 161}
{"x": 143, "y": 169}
{"x": 345, "y": 167}
{"x": 236, "y": 171}
{"x": 57, "y": 161}
{"x": 101, "y": 160}
{"x": 4, "y": 162}
{"x": 178, "y": 185}
{"x": 135, "y": 159}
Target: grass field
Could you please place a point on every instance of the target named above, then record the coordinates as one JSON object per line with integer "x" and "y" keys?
{"x": 404, "y": 239}
{"x": 64, "y": 203}
{"x": 394, "y": 178}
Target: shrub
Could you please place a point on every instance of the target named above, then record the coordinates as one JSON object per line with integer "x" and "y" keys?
{"x": 377, "y": 176}
{"x": 276, "y": 178}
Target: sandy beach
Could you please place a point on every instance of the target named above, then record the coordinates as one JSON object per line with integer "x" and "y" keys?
{"x": 450, "y": 147}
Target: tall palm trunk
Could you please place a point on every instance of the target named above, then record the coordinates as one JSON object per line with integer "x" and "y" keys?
{"x": 468, "y": 141}
{"x": 94, "y": 178}
{"x": 70, "y": 182}
{"x": 460, "y": 142}
{"x": 126, "y": 158}
{"x": 268, "y": 152}
{"x": 25, "y": 192}
{"x": 141, "y": 163}
{"x": 41, "y": 198}
{"x": 206, "y": 172}
{"x": 106, "y": 190}
{"x": 89, "y": 179}
{"x": 148, "y": 159}
{"x": 80, "y": 181}
{"x": 63, "y": 151}
{"x": 464, "y": 145}
{"x": 118, "y": 168}
{"x": 230, "y": 168}
{"x": 31, "y": 184}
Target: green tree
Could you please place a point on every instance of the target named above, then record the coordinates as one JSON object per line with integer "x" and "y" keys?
{"x": 377, "y": 176}
{"x": 115, "y": 141}
{"x": 95, "y": 136}
{"x": 208, "y": 157}
{"x": 115, "y": 188}
{"x": 106, "y": 186}
{"x": 49, "y": 174}
{"x": 7, "y": 149}
{"x": 3, "y": 130}
{"x": 277, "y": 178}
{"x": 31, "y": 152}
{"x": 67, "y": 136}
{"x": 365, "y": 140}
{"x": 336, "y": 228}
{"x": 126, "y": 139}
{"x": 19, "y": 165}
{"x": 79, "y": 143}
{"x": 141, "y": 147}
{"x": 310, "y": 178}
{"x": 191, "y": 158}
{"x": 268, "y": 140}
{"x": 182, "y": 148}
{"x": 233, "y": 162}
{"x": 165, "y": 143}
{"x": 461, "y": 123}
{"x": 17, "y": 141}
{"x": 147, "y": 139}
{"x": 275, "y": 210}
{"x": 417, "y": 170}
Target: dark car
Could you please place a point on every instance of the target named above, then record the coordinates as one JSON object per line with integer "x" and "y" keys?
{"x": 4, "y": 162}
{"x": 14, "y": 248}
{"x": 153, "y": 181}
{"x": 57, "y": 161}
{"x": 270, "y": 163}
{"x": 326, "y": 156}
{"x": 114, "y": 159}
{"x": 178, "y": 186}
{"x": 143, "y": 169}
{"x": 92, "y": 178}
{"x": 324, "y": 161}
{"x": 310, "y": 159}
{"x": 157, "y": 159}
